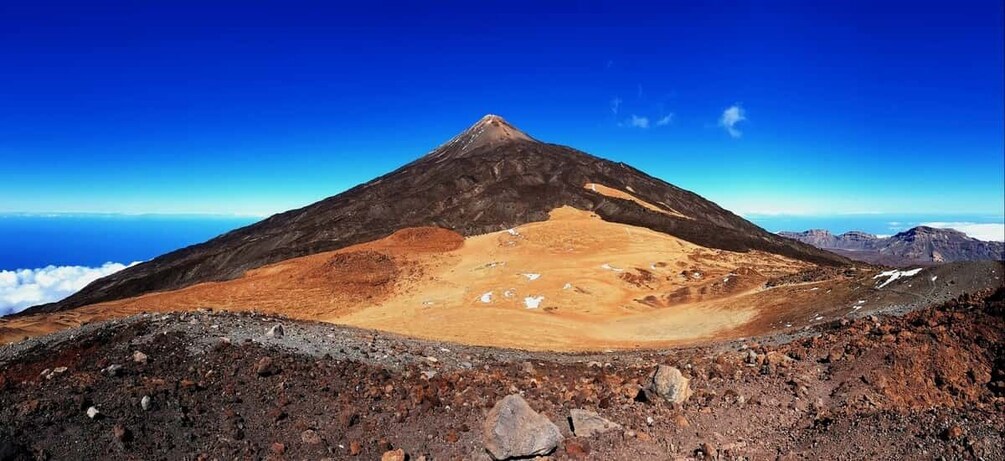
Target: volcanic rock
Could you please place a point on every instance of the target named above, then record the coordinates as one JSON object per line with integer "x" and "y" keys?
{"x": 265, "y": 367}
{"x": 668, "y": 383}
{"x": 513, "y": 429}
{"x": 586, "y": 423}
{"x": 275, "y": 332}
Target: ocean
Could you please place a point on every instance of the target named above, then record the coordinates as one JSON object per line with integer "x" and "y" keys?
{"x": 33, "y": 241}
{"x": 45, "y": 258}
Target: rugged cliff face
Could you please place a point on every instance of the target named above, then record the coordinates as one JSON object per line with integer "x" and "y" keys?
{"x": 490, "y": 177}
{"x": 920, "y": 245}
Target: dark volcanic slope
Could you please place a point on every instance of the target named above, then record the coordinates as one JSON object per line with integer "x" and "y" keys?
{"x": 489, "y": 178}
{"x": 919, "y": 245}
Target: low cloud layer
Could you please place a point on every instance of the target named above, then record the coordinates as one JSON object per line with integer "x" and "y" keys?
{"x": 993, "y": 232}
{"x": 23, "y": 288}
{"x": 731, "y": 117}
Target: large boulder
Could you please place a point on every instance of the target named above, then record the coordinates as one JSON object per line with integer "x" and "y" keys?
{"x": 513, "y": 429}
{"x": 668, "y": 383}
{"x": 586, "y": 423}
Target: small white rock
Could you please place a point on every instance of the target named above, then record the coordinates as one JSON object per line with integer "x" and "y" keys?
{"x": 93, "y": 412}
{"x": 145, "y": 403}
{"x": 139, "y": 357}
{"x": 275, "y": 332}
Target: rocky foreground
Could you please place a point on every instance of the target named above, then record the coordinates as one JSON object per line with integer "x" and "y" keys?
{"x": 212, "y": 385}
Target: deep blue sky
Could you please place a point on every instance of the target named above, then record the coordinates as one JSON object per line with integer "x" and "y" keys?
{"x": 256, "y": 107}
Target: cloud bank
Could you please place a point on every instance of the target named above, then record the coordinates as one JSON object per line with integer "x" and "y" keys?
{"x": 732, "y": 116}
{"x": 992, "y": 232}
{"x": 23, "y": 288}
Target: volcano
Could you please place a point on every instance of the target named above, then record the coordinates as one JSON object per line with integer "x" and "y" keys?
{"x": 489, "y": 177}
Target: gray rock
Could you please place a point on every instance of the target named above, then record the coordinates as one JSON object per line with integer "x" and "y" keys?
{"x": 310, "y": 437}
{"x": 276, "y": 331}
{"x": 513, "y": 429}
{"x": 112, "y": 370}
{"x": 266, "y": 367}
{"x": 586, "y": 423}
{"x": 668, "y": 383}
{"x": 145, "y": 403}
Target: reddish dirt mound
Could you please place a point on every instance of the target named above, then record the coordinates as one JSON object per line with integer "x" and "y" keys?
{"x": 426, "y": 239}
{"x": 740, "y": 280}
{"x": 367, "y": 268}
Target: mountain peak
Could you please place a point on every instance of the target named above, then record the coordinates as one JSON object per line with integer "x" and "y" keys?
{"x": 490, "y": 130}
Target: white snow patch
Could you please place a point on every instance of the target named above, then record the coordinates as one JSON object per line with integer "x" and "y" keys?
{"x": 486, "y": 297}
{"x": 894, "y": 275}
{"x": 935, "y": 277}
{"x": 609, "y": 267}
{"x": 532, "y": 277}
{"x": 513, "y": 231}
{"x": 630, "y": 189}
{"x": 567, "y": 286}
{"x": 509, "y": 293}
{"x": 533, "y": 302}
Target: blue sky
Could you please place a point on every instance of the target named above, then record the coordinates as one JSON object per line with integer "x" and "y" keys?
{"x": 257, "y": 107}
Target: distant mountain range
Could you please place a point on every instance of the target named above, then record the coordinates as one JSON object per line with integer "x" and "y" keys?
{"x": 919, "y": 245}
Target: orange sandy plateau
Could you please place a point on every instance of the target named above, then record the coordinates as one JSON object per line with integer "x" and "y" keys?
{"x": 573, "y": 282}
{"x": 611, "y": 192}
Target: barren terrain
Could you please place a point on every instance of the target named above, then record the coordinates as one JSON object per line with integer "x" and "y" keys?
{"x": 573, "y": 282}
{"x": 928, "y": 385}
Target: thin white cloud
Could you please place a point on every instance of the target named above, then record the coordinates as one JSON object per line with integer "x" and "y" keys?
{"x": 638, "y": 122}
{"x": 665, "y": 120}
{"x": 23, "y": 288}
{"x": 991, "y": 232}
{"x": 616, "y": 105}
{"x": 732, "y": 116}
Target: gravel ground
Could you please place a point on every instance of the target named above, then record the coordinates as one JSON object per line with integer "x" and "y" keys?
{"x": 922, "y": 386}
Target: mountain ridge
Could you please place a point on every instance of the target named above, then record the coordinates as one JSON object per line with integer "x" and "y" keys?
{"x": 918, "y": 245}
{"x": 490, "y": 177}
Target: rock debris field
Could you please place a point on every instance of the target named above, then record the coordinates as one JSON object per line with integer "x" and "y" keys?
{"x": 207, "y": 385}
